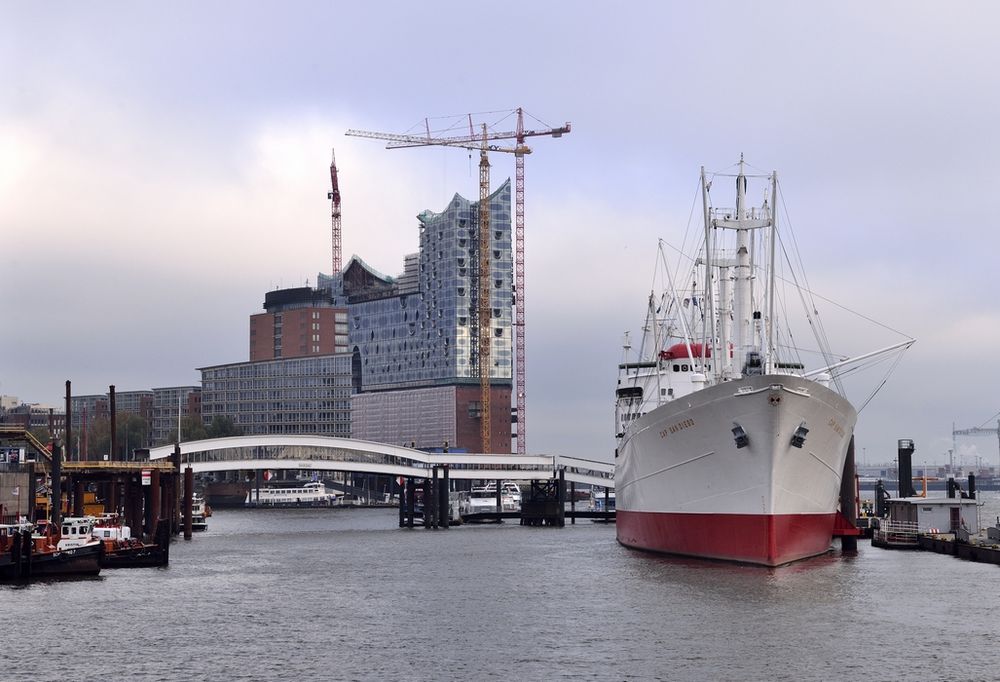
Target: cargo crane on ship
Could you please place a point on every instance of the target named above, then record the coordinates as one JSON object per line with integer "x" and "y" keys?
{"x": 480, "y": 141}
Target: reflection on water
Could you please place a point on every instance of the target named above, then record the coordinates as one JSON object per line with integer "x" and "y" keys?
{"x": 292, "y": 594}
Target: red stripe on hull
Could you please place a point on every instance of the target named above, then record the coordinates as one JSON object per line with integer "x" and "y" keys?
{"x": 768, "y": 539}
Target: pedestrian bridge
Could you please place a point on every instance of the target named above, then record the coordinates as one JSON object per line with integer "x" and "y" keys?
{"x": 326, "y": 453}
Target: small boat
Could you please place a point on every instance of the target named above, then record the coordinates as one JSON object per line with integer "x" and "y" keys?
{"x": 67, "y": 550}
{"x": 199, "y": 514}
{"x": 602, "y": 500}
{"x": 483, "y": 498}
{"x": 120, "y": 550}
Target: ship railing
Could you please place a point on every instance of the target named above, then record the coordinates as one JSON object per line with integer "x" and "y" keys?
{"x": 898, "y": 531}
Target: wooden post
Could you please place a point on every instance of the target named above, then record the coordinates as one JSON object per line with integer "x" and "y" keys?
{"x": 848, "y": 499}
{"x": 445, "y": 498}
{"x": 154, "y": 502}
{"x": 572, "y": 503}
{"x": 188, "y": 501}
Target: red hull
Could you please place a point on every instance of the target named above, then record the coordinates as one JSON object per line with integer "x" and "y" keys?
{"x": 768, "y": 539}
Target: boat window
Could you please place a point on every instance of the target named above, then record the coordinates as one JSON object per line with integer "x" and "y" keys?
{"x": 684, "y": 368}
{"x": 677, "y": 368}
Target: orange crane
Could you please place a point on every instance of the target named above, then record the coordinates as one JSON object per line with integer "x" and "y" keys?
{"x": 334, "y": 196}
{"x": 480, "y": 141}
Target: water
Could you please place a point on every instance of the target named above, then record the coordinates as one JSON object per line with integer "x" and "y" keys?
{"x": 345, "y": 594}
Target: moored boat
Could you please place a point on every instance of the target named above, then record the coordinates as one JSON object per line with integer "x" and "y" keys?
{"x": 15, "y": 550}
{"x": 309, "y": 494}
{"x": 727, "y": 448}
{"x": 119, "y": 549}
{"x": 199, "y": 513}
{"x": 67, "y": 550}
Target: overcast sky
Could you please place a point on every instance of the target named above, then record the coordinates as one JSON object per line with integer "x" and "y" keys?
{"x": 163, "y": 165}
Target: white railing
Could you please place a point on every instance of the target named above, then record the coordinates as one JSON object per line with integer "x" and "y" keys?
{"x": 898, "y": 532}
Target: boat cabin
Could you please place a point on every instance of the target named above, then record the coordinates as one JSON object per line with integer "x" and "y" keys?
{"x": 936, "y": 514}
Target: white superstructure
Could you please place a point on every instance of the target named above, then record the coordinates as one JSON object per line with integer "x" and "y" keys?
{"x": 312, "y": 494}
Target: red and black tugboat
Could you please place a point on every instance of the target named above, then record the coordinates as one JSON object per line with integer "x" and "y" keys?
{"x": 66, "y": 550}
{"x": 120, "y": 550}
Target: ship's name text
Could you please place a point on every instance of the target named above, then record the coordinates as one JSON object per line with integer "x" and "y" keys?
{"x": 686, "y": 424}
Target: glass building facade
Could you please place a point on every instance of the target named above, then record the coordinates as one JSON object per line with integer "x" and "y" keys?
{"x": 309, "y": 395}
{"x": 407, "y": 336}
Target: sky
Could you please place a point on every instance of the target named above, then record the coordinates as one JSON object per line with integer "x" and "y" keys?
{"x": 162, "y": 166}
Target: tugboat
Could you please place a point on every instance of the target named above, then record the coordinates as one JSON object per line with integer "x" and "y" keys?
{"x": 120, "y": 550}
{"x": 15, "y": 550}
{"x": 69, "y": 550}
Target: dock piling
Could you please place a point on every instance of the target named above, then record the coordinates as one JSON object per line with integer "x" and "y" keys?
{"x": 188, "y": 501}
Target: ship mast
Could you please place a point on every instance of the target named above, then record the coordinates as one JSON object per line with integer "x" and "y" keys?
{"x": 769, "y": 351}
{"x": 742, "y": 221}
{"x": 741, "y": 288}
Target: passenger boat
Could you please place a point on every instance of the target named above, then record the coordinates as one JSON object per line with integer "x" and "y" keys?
{"x": 727, "y": 447}
{"x": 67, "y": 550}
{"x": 311, "y": 494}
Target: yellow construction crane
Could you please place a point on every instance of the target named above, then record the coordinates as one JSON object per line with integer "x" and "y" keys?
{"x": 481, "y": 141}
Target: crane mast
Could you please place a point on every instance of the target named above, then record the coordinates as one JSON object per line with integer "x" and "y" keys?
{"x": 485, "y": 338}
{"x": 334, "y": 196}
{"x": 976, "y": 431}
{"x": 519, "y": 286}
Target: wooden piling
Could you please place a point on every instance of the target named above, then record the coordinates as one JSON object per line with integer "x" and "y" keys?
{"x": 77, "y": 497}
{"x": 848, "y": 498}
{"x": 154, "y": 502}
{"x": 188, "y": 501}
{"x": 411, "y": 493}
{"x": 402, "y": 503}
{"x": 445, "y": 498}
{"x": 572, "y": 503}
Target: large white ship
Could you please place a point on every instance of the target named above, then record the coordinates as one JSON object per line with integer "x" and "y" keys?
{"x": 727, "y": 447}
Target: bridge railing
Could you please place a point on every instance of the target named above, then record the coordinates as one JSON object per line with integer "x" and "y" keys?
{"x": 354, "y": 455}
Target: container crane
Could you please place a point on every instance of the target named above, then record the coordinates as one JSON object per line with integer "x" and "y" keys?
{"x": 480, "y": 141}
{"x": 975, "y": 431}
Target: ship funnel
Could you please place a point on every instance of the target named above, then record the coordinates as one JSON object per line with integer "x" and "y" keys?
{"x": 905, "y": 451}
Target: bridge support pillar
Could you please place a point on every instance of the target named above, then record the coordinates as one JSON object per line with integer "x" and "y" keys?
{"x": 545, "y": 504}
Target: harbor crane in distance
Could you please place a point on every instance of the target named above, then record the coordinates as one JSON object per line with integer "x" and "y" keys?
{"x": 975, "y": 431}
{"x": 480, "y": 141}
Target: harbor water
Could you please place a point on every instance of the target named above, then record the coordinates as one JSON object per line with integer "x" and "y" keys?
{"x": 345, "y": 594}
